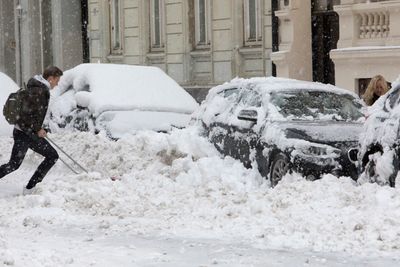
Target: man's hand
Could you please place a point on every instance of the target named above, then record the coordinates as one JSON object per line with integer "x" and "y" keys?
{"x": 42, "y": 133}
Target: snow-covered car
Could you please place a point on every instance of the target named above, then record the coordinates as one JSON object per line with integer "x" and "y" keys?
{"x": 278, "y": 125}
{"x": 119, "y": 99}
{"x": 379, "y": 150}
{"x": 7, "y": 86}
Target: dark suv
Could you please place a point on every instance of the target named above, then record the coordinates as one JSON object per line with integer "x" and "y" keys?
{"x": 379, "y": 151}
{"x": 278, "y": 125}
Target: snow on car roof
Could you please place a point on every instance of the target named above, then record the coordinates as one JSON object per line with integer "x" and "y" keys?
{"x": 125, "y": 87}
{"x": 269, "y": 84}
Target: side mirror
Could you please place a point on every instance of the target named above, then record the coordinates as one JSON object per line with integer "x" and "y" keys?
{"x": 353, "y": 155}
{"x": 248, "y": 115}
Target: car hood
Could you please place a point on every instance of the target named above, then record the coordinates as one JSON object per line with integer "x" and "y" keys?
{"x": 323, "y": 133}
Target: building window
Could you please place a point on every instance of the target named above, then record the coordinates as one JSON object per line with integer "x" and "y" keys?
{"x": 252, "y": 22}
{"x": 157, "y": 24}
{"x": 202, "y": 23}
{"x": 115, "y": 26}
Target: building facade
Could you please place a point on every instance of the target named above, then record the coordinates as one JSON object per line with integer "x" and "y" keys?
{"x": 340, "y": 42}
{"x": 369, "y": 42}
{"x": 199, "y": 43}
{"x": 35, "y": 34}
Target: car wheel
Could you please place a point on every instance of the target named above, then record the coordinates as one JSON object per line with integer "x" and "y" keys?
{"x": 279, "y": 167}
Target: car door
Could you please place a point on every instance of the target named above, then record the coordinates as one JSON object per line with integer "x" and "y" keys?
{"x": 244, "y": 134}
{"x": 219, "y": 114}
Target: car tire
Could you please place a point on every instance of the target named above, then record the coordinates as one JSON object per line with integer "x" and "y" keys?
{"x": 279, "y": 167}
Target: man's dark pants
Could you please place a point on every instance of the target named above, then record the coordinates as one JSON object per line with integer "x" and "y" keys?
{"x": 22, "y": 142}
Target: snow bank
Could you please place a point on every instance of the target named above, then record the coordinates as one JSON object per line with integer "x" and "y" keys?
{"x": 178, "y": 185}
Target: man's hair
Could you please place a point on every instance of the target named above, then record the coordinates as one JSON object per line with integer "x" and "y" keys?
{"x": 52, "y": 71}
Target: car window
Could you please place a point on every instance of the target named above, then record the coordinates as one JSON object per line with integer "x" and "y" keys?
{"x": 316, "y": 105}
{"x": 249, "y": 98}
{"x": 230, "y": 93}
{"x": 230, "y": 97}
{"x": 221, "y": 105}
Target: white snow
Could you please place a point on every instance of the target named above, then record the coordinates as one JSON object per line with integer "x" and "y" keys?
{"x": 7, "y": 86}
{"x": 179, "y": 203}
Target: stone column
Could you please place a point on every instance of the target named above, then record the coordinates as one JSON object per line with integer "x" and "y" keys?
{"x": 30, "y": 60}
{"x": 294, "y": 59}
{"x": 67, "y": 34}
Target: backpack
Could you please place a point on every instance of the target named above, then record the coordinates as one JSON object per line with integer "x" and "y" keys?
{"x": 13, "y": 106}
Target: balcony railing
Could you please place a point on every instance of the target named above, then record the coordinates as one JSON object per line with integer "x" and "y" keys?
{"x": 374, "y": 25}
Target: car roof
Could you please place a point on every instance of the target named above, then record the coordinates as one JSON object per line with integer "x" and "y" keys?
{"x": 275, "y": 84}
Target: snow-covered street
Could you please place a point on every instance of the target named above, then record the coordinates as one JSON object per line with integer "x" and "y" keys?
{"x": 178, "y": 203}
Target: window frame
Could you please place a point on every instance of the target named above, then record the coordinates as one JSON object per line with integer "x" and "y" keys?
{"x": 154, "y": 46}
{"x": 116, "y": 35}
{"x": 248, "y": 40}
{"x": 199, "y": 44}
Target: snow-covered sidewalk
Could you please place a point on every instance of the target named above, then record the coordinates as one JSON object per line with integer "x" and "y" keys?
{"x": 179, "y": 203}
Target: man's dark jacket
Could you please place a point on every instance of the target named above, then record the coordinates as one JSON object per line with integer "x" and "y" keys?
{"x": 35, "y": 104}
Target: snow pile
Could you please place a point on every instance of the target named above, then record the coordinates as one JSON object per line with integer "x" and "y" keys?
{"x": 177, "y": 185}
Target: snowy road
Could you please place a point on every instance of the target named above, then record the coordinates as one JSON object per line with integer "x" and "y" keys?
{"x": 179, "y": 204}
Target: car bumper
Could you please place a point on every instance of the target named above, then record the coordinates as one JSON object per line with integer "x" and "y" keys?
{"x": 313, "y": 166}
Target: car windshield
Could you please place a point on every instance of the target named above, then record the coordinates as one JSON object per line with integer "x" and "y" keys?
{"x": 316, "y": 105}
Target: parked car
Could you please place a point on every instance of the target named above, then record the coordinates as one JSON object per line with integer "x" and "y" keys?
{"x": 379, "y": 151}
{"x": 119, "y": 99}
{"x": 7, "y": 86}
{"x": 278, "y": 125}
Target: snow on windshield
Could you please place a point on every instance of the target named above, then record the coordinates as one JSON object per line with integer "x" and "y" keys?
{"x": 316, "y": 105}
